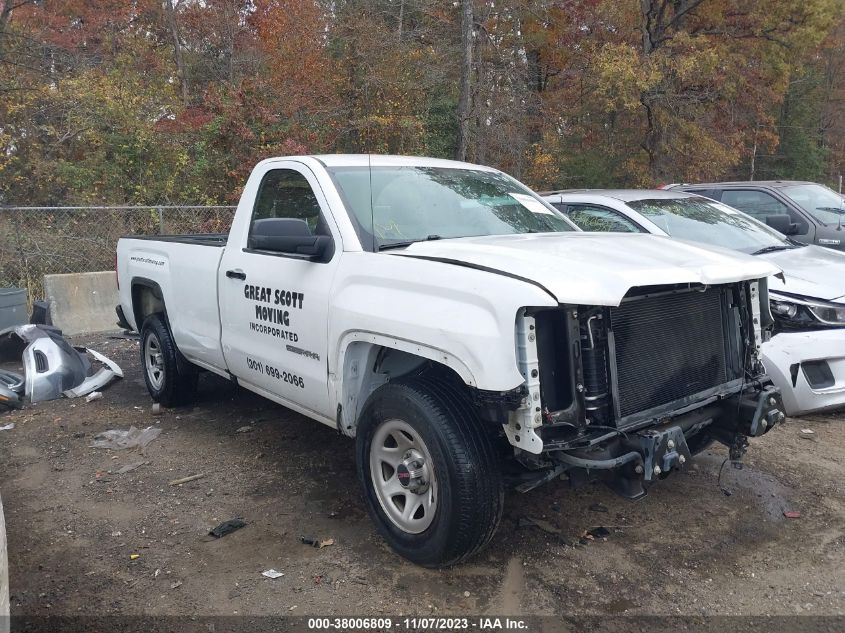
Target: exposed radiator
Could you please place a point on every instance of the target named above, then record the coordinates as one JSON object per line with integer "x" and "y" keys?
{"x": 668, "y": 347}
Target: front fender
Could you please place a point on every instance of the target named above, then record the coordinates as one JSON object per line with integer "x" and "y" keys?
{"x": 461, "y": 317}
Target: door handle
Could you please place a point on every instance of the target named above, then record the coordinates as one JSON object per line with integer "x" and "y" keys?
{"x": 236, "y": 274}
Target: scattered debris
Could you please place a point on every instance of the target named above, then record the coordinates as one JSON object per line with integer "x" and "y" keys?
{"x": 176, "y": 585}
{"x": 598, "y": 507}
{"x": 9, "y": 398}
{"x": 128, "y": 468}
{"x": 184, "y": 480}
{"x": 272, "y": 573}
{"x": 227, "y": 527}
{"x": 156, "y": 408}
{"x": 134, "y": 556}
{"x": 133, "y": 438}
{"x": 99, "y": 380}
{"x": 12, "y": 380}
{"x": 11, "y": 389}
{"x": 7, "y": 427}
{"x": 467, "y": 594}
{"x": 317, "y": 542}
{"x": 41, "y": 313}
{"x": 126, "y": 336}
{"x": 807, "y": 434}
{"x": 538, "y": 523}
{"x": 245, "y": 429}
{"x": 792, "y": 514}
{"x": 94, "y": 395}
{"x": 594, "y": 533}
{"x": 599, "y": 532}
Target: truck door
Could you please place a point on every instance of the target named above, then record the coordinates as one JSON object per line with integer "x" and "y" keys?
{"x": 274, "y": 296}
{"x": 760, "y": 204}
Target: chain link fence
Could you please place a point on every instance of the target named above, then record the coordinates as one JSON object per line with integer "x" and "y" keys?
{"x": 38, "y": 241}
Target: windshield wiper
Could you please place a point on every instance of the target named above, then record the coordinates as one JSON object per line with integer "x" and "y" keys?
{"x": 839, "y": 210}
{"x": 384, "y": 247}
{"x": 772, "y": 249}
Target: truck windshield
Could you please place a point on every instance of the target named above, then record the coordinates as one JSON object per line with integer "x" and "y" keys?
{"x": 392, "y": 206}
{"x": 700, "y": 220}
{"x": 822, "y": 203}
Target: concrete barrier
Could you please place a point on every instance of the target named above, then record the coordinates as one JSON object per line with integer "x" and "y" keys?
{"x": 81, "y": 303}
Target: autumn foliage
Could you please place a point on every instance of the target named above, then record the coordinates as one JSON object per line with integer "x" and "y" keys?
{"x": 173, "y": 101}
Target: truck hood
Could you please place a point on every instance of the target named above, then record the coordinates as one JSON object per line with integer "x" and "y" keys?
{"x": 594, "y": 268}
{"x": 810, "y": 271}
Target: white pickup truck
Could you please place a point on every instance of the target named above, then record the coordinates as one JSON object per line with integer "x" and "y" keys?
{"x": 462, "y": 330}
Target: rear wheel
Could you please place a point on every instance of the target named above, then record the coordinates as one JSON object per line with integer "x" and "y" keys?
{"x": 170, "y": 378}
{"x": 431, "y": 479}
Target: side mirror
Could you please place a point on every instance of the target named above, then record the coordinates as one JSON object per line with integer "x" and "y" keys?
{"x": 782, "y": 224}
{"x": 291, "y": 236}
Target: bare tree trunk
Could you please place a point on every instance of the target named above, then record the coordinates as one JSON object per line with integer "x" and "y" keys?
{"x": 232, "y": 24}
{"x": 650, "y": 139}
{"x": 6, "y": 15}
{"x": 170, "y": 13}
{"x": 647, "y": 24}
{"x": 464, "y": 100}
{"x": 401, "y": 17}
{"x": 480, "y": 112}
{"x": 534, "y": 83}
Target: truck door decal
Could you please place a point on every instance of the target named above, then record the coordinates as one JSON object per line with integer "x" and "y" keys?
{"x": 267, "y": 314}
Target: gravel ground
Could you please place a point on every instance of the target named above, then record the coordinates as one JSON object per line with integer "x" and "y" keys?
{"x": 75, "y": 525}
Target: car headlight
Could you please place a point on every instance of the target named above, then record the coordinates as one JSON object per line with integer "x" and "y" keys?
{"x": 784, "y": 309}
{"x": 794, "y": 311}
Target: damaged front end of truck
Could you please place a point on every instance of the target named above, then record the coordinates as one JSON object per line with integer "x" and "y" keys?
{"x": 628, "y": 394}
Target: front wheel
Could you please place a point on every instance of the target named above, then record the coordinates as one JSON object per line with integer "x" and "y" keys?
{"x": 170, "y": 378}
{"x": 431, "y": 478}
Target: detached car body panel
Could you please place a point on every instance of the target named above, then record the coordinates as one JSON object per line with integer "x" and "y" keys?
{"x": 812, "y": 286}
{"x": 811, "y": 368}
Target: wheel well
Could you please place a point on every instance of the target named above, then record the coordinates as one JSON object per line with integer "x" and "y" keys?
{"x": 366, "y": 367}
{"x": 146, "y": 300}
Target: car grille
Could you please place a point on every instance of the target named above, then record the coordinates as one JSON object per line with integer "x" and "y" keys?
{"x": 668, "y": 347}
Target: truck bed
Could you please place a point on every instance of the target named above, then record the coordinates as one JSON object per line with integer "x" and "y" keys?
{"x": 183, "y": 270}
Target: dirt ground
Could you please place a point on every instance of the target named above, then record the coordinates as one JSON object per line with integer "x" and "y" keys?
{"x": 74, "y": 524}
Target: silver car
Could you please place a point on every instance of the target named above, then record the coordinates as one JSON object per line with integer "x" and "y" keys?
{"x": 806, "y": 356}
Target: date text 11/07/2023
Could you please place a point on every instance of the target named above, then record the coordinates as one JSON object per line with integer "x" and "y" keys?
{"x": 418, "y": 624}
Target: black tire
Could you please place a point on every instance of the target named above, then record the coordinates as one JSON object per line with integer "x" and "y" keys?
{"x": 176, "y": 384}
{"x": 470, "y": 492}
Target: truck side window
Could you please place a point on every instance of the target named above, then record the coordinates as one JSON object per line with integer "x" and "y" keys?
{"x": 757, "y": 204}
{"x": 589, "y": 217}
{"x": 285, "y": 193}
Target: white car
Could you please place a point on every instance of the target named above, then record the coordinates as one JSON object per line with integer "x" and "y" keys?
{"x": 458, "y": 327}
{"x": 806, "y": 356}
